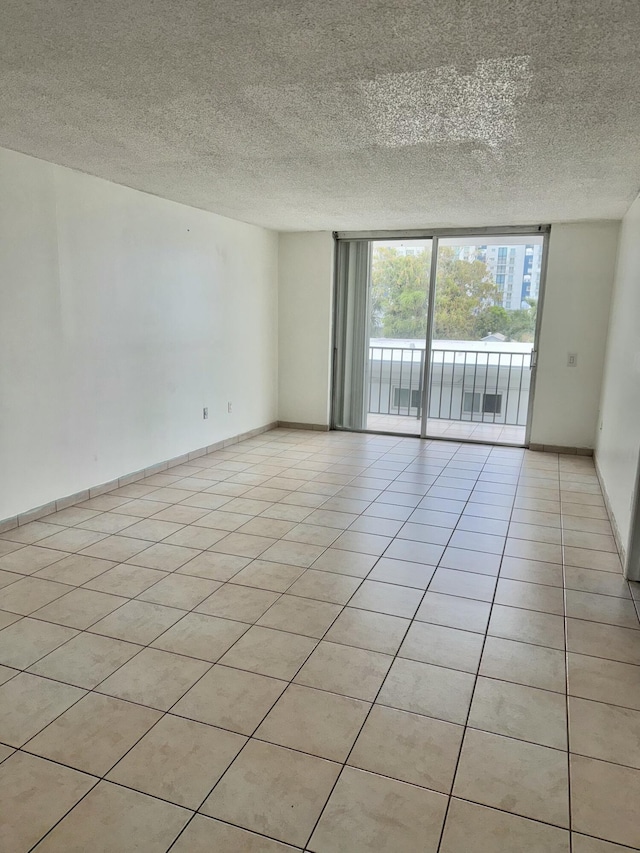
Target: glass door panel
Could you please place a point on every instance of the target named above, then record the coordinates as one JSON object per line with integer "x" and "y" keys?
{"x": 397, "y": 325}
{"x": 484, "y": 322}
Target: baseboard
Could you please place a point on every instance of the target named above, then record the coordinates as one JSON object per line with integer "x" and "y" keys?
{"x": 621, "y": 546}
{"x": 559, "y": 448}
{"x": 294, "y": 425}
{"x": 125, "y": 480}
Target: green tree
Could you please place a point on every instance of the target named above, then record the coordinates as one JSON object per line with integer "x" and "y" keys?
{"x": 399, "y": 296}
{"x": 399, "y": 286}
{"x": 466, "y": 292}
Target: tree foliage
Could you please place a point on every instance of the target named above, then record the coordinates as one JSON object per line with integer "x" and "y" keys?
{"x": 468, "y": 306}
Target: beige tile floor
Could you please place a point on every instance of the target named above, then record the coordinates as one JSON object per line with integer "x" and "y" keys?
{"x": 327, "y": 642}
{"x": 451, "y": 430}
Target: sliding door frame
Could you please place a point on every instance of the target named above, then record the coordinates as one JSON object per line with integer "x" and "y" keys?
{"x": 435, "y": 234}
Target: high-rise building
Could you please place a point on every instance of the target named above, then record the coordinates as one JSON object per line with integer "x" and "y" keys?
{"x": 514, "y": 268}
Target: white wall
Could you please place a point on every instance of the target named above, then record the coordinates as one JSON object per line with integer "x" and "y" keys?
{"x": 305, "y": 327}
{"x": 580, "y": 272}
{"x": 121, "y": 316}
{"x": 618, "y": 445}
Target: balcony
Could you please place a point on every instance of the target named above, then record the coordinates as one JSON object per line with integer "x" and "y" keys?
{"x": 479, "y": 389}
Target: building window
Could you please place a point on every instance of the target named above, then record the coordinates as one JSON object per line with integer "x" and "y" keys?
{"x": 401, "y": 398}
{"x": 471, "y": 402}
{"x": 492, "y": 404}
{"x": 500, "y": 279}
{"x": 474, "y": 402}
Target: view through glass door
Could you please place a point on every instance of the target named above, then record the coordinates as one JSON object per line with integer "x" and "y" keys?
{"x": 397, "y": 315}
{"x": 453, "y": 360}
{"x": 484, "y": 325}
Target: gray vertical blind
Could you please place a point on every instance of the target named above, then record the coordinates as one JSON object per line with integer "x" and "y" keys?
{"x": 351, "y": 341}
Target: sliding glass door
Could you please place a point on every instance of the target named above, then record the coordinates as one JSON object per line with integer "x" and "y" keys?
{"x": 434, "y": 336}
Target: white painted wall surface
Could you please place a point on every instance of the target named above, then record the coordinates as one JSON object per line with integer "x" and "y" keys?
{"x": 121, "y": 316}
{"x": 305, "y": 326}
{"x": 580, "y": 273}
{"x": 618, "y": 445}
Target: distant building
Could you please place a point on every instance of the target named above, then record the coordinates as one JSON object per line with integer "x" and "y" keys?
{"x": 514, "y": 268}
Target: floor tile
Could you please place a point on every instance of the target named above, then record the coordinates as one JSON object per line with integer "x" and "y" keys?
{"x": 85, "y": 660}
{"x": 604, "y": 800}
{"x": 363, "y": 543}
{"x": 28, "y": 560}
{"x": 27, "y": 534}
{"x": 602, "y": 608}
{"x": 325, "y": 586}
{"x": 368, "y": 630}
{"x": 526, "y": 713}
{"x": 244, "y": 545}
{"x": 408, "y": 747}
{"x": 274, "y": 791}
{"x": 29, "y": 594}
{"x": 195, "y": 537}
{"x": 416, "y": 552}
{"x": 464, "y": 584}
{"x": 79, "y": 608}
{"x": 111, "y": 819}
{"x": 26, "y": 641}
{"x": 387, "y": 598}
{"x": 353, "y": 672}
{"x": 454, "y": 612}
{"x": 269, "y": 652}
{"x": 117, "y": 548}
{"x": 447, "y": 647}
{"x": 205, "y": 834}
{"x": 154, "y": 678}
{"x": 345, "y": 563}
{"x": 521, "y": 663}
{"x": 479, "y": 562}
{"x": 178, "y": 760}
{"x": 430, "y": 690}
{"x": 182, "y": 591}
{"x": 300, "y": 616}
{"x": 29, "y": 703}
{"x": 402, "y": 572}
{"x": 527, "y": 626}
{"x": 530, "y": 596}
{"x": 125, "y": 580}
{"x": 586, "y": 558}
{"x": 533, "y": 571}
{"x": 138, "y": 622}
{"x": 36, "y": 793}
{"x": 604, "y": 680}
{"x": 233, "y": 601}
{"x": 514, "y": 776}
{"x": 71, "y": 539}
{"x": 200, "y": 636}
{"x": 600, "y": 640}
{"x": 94, "y": 733}
{"x": 262, "y": 574}
{"x": 604, "y": 731}
{"x": 313, "y": 721}
{"x": 215, "y": 567}
{"x": 585, "y": 844}
{"x": 76, "y": 569}
{"x": 368, "y": 813}
{"x": 230, "y": 698}
{"x": 591, "y": 580}
{"x": 166, "y": 558}
{"x": 473, "y": 827}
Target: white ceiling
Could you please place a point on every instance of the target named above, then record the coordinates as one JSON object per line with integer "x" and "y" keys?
{"x": 342, "y": 114}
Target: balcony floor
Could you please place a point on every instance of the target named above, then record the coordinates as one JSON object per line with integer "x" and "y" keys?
{"x": 440, "y": 428}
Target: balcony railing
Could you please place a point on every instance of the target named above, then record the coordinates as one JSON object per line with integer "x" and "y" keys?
{"x": 466, "y": 385}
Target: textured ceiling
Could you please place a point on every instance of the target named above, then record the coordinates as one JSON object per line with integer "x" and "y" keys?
{"x": 342, "y": 114}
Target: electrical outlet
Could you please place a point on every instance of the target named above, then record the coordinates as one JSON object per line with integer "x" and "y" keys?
{"x": 205, "y": 413}
{"x": 229, "y": 408}
{"x": 572, "y": 359}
